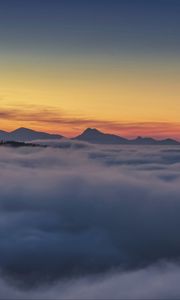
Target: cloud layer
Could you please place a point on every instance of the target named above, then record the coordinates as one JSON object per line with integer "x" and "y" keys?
{"x": 80, "y": 220}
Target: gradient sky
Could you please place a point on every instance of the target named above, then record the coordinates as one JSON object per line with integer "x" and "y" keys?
{"x": 71, "y": 64}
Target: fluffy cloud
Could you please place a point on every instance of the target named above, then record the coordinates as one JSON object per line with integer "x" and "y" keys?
{"x": 156, "y": 282}
{"x": 91, "y": 218}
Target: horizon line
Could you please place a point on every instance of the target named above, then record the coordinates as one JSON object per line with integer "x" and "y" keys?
{"x": 93, "y": 128}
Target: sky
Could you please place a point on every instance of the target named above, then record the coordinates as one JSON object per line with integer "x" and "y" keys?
{"x": 67, "y": 65}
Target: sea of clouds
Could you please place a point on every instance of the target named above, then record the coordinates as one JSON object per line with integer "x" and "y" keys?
{"x": 81, "y": 221}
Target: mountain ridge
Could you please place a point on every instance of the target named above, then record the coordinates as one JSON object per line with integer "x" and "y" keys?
{"x": 23, "y": 134}
{"x": 90, "y": 135}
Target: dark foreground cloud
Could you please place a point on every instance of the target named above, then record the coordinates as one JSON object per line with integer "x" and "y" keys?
{"x": 89, "y": 220}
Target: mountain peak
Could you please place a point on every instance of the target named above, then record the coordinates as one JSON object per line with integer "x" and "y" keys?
{"x": 22, "y": 130}
{"x": 91, "y": 131}
{"x": 93, "y": 135}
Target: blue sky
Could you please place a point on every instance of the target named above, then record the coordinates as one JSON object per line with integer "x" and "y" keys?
{"x": 91, "y": 26}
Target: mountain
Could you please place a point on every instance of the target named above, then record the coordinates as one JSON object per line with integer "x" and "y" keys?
{"x": 25, "y": 135}
{"x": 169, "y": 142}
{"x": 95, "y": 136}
{"x": 3, "y": 134}
{"x": 144, "y": 141}
{"x": 150, "y": 141}
{"x": 91, "y": 135}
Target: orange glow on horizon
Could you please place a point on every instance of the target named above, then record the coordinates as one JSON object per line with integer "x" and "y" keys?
{"x": 129, "y": 130}
{"x": 124, "y": 98}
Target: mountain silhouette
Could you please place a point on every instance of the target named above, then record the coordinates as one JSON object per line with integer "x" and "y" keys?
{"x": 95, "y": 136}
{"x": 25, "y": 134}
{"x": 90, "y": 135}
{"x": 150, "y": 141}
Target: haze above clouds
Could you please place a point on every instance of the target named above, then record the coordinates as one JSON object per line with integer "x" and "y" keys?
{"x": 88, "y": 221}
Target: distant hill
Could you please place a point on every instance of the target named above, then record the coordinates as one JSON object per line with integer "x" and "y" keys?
{"x": 95, "y": 136}
{"x": 150, "y": 141}
{"x": 25, "y": 135}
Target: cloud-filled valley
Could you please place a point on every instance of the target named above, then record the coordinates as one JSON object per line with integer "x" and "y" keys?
{"x": 89, "y": 221}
